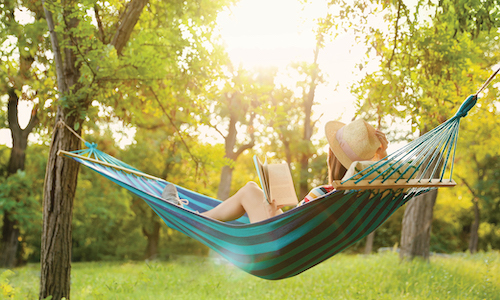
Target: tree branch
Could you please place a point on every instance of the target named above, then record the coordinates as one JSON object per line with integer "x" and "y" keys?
{"x": 99, "y": 23}
{"x": 127, "y": 23}
{"x": 12, "y": 113}
{"x": 33, "y": 120}
{"x": 400, "y": 4}
{"x": 56, "y": 49}
{"x": 197, "y": 162}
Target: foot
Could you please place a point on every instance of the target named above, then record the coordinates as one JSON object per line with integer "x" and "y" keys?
{"x": 170, "y": 194}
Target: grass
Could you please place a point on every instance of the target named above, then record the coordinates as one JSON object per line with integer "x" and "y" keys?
{"x": 378, "y": 276}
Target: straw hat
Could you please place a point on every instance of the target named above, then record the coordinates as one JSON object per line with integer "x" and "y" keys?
{"x": 355, "y": 141}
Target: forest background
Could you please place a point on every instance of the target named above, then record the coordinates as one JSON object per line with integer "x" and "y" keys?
{"x": 197, "y": 118}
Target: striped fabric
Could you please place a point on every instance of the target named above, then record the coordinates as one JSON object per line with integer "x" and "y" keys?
{"x": 316, "y": 193}
{"x": 276, "y": 248}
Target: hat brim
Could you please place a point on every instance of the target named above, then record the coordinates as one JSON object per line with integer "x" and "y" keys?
{"x": 331, "y": 129}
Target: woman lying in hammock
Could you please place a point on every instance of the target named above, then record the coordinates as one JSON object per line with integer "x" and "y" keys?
{"x": 357, "y": 141}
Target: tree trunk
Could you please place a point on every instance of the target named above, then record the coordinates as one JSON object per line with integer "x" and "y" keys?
{"x": 417, "y": 222}
{"x": 417, "y": 218}
{"x": 10, "y": 242}
{"x": 153, "y": 240}
{"x": 226, "y": 177}
{"x": 474, "y": 235}
{"x": 369, "y": 243}
{"x": 60, "y": 185}
{"x": 60, "y": 181}
{"x": 10, "y": 231}
{"x": 308, "y": 125}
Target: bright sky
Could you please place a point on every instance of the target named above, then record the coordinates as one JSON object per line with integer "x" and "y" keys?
{"x": 278, "y": 32}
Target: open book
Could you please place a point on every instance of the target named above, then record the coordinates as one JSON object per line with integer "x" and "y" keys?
{"x": 277, "y": 183}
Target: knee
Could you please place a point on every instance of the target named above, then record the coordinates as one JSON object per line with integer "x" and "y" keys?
{"x": 251, "y": 185}
{"x": 252, "y": 189}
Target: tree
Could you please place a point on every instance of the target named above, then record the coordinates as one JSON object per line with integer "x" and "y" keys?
{"x": 427, "y": 66}
{"x": 24, "y": 59}
{"x": 479, "y": 157}
{"x": 109, "y": 61}
{"x": 10, "y": 229}
{"x": 237, "y": 110}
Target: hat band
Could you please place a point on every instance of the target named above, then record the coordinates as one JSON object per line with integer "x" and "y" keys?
{"x": 345, "y": 146}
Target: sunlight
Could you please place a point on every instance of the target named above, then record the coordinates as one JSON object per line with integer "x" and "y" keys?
{"x": 269, "y": 33}
{"x": 260, "y": 33}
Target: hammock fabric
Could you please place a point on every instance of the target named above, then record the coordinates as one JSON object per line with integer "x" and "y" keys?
{"x": 279, "y": 247}
{"x": 290, "y": 243}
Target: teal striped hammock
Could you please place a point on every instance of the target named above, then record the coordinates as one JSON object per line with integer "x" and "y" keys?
{"x": 277, "y": 248}
{"x": 290, "y": 243}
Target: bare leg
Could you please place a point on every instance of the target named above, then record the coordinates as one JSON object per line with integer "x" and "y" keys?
{"x": 249, "y": 199}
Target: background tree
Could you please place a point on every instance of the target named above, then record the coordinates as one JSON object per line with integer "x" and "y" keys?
{"x": 24, "y": 69}
{"x": 479, "y": 158}
{"x": 236, "y": 111}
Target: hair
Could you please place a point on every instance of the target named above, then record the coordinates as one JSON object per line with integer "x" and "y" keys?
{"x": 335, "y": 169}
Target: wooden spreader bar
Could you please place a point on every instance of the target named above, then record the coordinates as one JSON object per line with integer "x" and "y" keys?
{"x": 66, "y": 153}
{"x": 391, "y": 184}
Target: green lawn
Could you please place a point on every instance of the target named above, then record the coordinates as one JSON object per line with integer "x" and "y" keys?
{"x": 379, "y": 276}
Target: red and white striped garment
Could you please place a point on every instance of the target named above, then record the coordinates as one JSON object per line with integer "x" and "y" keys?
{"x": 316, "y": 192}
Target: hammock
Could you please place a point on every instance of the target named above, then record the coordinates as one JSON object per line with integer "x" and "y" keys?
{"x": 276, "y": 248}
{"x": 290, "y": 243}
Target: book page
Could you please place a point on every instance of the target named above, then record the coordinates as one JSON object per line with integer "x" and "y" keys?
{"x": 262, "y": 172}
{"x": 281, "y": 185}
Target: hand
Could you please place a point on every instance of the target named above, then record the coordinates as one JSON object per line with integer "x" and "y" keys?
{"x": 274, "y": 209}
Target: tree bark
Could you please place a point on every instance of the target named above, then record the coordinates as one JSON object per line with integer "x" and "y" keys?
{"x": 60, "y": 185}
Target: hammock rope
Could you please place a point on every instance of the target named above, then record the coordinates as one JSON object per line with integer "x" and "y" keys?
{"x": 290, "y": 243}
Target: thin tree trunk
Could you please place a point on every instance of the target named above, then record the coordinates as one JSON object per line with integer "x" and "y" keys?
{"x": 474, "y": 230}
{"x": 474, "y": 234}
{"x": 153, "y": 240}
{"x": 308, "y": 124}
{"x": 369, "y": 243}
{"x": 10, "y": 242}
{"x": 226, "y": 177}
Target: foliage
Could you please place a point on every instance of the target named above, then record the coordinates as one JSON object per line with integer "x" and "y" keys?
{"x": 7, "y": 290}
{"x": 24, "y": 57}
{"x": 21, "y": 194}
{"x": 380, "y": 276}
